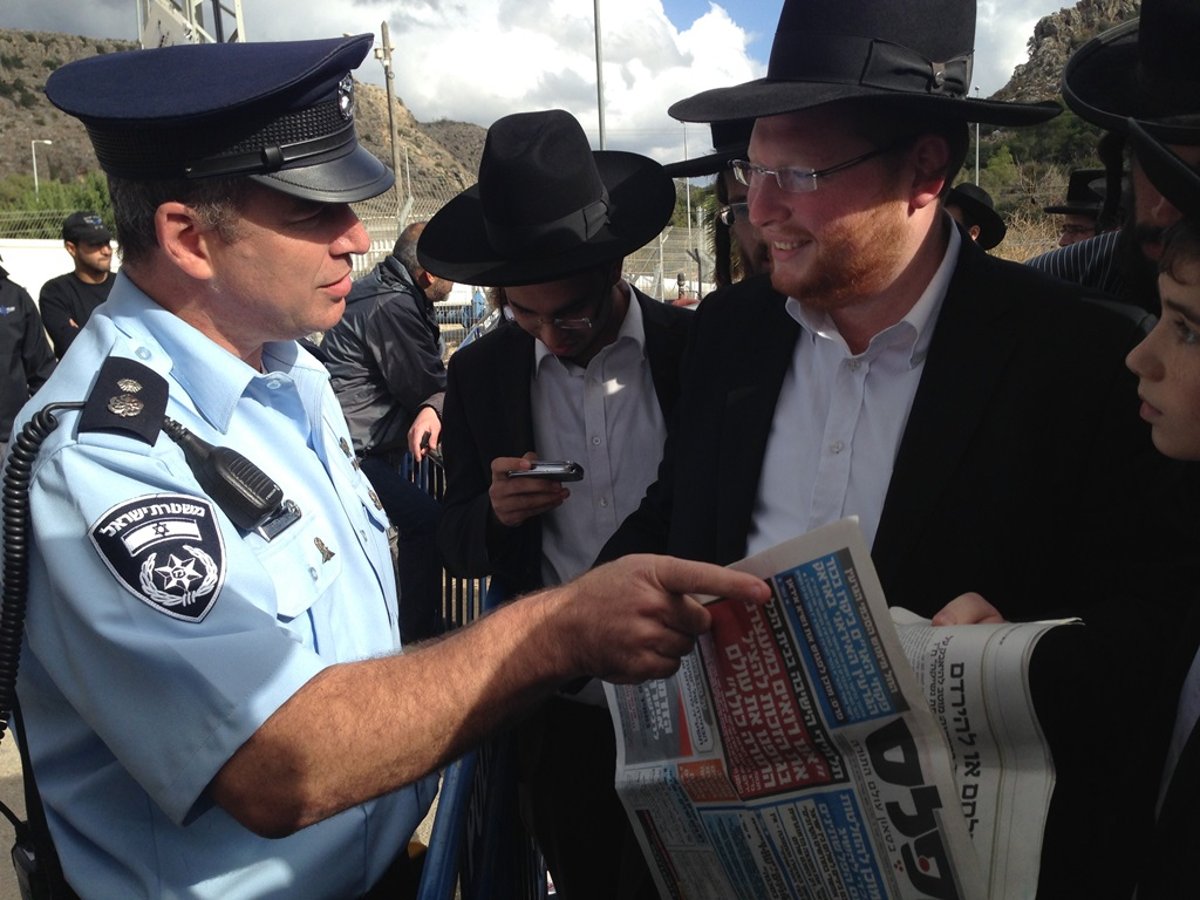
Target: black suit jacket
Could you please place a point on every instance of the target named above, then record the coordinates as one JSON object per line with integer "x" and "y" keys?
{"x": 1024, "y": 473}
{"x": 487, "y": 414}
{"x": 1021, "y": 473}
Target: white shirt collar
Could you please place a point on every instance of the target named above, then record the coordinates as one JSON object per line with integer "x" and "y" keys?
{"x": 916, "y": 324}
{"x": 632, "y": 328}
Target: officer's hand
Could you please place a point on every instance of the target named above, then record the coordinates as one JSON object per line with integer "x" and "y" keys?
{"x": 634, "y": 619}
{"x": 515, "y": 500}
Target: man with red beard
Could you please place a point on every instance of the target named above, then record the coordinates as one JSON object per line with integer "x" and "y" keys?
{"x": 974, "y": 415}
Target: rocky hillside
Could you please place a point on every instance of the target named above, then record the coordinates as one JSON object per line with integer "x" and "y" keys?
{"x": 1055, "y": 38}
{"x": 445, "y": 154}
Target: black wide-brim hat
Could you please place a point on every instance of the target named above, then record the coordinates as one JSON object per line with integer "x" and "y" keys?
{"x": 1174, "y": 178}
{"x": 1146, "y": 68}
{"x": 281, "y": 114}
{"x": 1083, "y": 198}
{"x": 977, "y": 203}
{"x": 916, "y": 55}
{"x": 546, "y": 206}
{"x": 730, "y": 141}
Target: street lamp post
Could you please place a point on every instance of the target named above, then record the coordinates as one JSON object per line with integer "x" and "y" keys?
{"x": 33, "y": 152}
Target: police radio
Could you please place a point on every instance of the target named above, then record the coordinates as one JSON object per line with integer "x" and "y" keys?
{"x": 131, "y": 399}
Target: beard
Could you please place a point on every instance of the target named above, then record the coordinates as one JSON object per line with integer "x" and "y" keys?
{"x": 856, "y": 259}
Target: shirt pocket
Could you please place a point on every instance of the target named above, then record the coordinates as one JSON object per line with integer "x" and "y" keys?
{"x": 303, "y": 562}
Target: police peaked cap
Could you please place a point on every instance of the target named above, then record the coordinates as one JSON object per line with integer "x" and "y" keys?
{"x": 281, "y": 114}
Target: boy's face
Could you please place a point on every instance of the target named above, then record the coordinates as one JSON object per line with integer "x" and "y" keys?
{"x": 1167, "y": 364}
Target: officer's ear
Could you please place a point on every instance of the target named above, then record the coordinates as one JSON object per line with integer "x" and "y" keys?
{"x": 184, "y": 240}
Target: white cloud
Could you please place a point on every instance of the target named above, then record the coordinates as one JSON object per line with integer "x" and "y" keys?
{"x": 477, "y": 60}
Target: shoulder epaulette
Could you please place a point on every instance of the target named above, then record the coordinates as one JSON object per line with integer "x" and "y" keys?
{"x": 127, "y": 398}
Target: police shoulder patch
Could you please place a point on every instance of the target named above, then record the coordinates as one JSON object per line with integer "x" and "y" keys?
{"x": 166, "y": 550}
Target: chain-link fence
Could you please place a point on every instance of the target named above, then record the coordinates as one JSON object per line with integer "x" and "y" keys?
{"x": 35, "y": 224}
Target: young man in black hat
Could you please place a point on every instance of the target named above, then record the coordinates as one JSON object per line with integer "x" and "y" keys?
{"x": 585, "y": 370}
{"x": 1081, "y": 209}
{"x": 213, "y": 664}
{"x": 971, "y": 207}
{"x": 738, "y": 251}
{"x": 966, "y": 409}
{"x": 68, "y": 300}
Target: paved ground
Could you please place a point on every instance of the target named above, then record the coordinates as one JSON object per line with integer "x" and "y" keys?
{"x": 12, "y": 796}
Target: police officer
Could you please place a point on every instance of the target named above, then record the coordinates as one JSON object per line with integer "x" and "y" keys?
{"x": 215, "y": 705}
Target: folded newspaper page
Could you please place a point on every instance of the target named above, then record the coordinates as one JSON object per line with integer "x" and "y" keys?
{"x": 976, "y": 681}
{"x": 796, "y": 753}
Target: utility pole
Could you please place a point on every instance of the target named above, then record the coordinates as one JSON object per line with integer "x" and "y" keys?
{"x": 384, "y": 55}
{"x": 599, "y": 72}
{"x": 33, "y": 151}
{"x": 976, "y": 144}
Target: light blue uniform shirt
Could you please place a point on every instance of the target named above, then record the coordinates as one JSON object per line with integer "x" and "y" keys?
{"x": 131, "y": 710}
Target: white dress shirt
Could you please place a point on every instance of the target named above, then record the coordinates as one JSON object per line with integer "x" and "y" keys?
{"x": 840, "y": 417}
{"x": 607, "y": 418}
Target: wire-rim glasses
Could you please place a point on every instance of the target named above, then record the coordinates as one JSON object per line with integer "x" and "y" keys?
{"x": 734, "y": 212}
{"x": 798, "y": 180}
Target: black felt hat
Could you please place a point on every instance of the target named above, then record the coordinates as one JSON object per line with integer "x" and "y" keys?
{"x": 546, "y": 206}
{"x": 1147, "y": 68}
{"x": 1174, "y": 178}
{"x": 979, "y": 208}
{"x": 1083, "y": 199}
{"x": 730, "y": 141}
{"x": 916, "y": 54}
{"x": 280, "y": 113}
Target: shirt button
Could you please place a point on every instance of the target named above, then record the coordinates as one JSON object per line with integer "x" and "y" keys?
{"x": 604, "y": 502}
{"x": 142, "y": 353}
{"x": 855, "y": 365}
{"x": 836, "y": 447}
{"x": 313, "y": 573}
{"x": 274, "y": 384}
{"x": 595, "y": 442}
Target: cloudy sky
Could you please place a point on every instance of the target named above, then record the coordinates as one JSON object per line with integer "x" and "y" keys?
{"x": 477, "y": 60}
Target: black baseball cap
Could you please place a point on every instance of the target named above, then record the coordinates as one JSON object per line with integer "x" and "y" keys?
{"x": 85, "y": 228}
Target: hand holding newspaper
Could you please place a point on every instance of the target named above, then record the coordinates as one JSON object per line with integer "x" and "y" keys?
{"x": 796, "y": 753}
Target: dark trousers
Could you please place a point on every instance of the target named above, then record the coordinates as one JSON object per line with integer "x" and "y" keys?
{"x": 418, "y": 566}
{"x": 568, "y": 759}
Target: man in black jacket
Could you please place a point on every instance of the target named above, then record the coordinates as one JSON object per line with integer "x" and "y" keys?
{"x": 24, "y": 350}
{"x": 585, "y": 369}
{"x": 385, "y": 364}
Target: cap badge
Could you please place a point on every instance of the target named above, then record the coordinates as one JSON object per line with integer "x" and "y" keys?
{"x": 346, "y": 97}
{"x": 129, "y": 386}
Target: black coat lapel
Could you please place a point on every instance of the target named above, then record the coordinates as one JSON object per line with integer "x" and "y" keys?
{"x": 768, "y": 338}
{"x": 974, "y": 337}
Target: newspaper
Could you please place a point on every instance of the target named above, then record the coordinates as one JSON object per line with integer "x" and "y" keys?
{"x": 796, "y": 755}
{"x": 975, "y": 679}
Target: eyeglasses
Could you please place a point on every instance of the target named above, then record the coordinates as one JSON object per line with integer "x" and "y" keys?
{"x": 734, "y": 212}
{"x": 529, "y": 320}
{"x": 796, "y": 180}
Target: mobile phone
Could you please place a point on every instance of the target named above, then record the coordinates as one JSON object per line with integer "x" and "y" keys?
{"x": 555, "y": 470}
